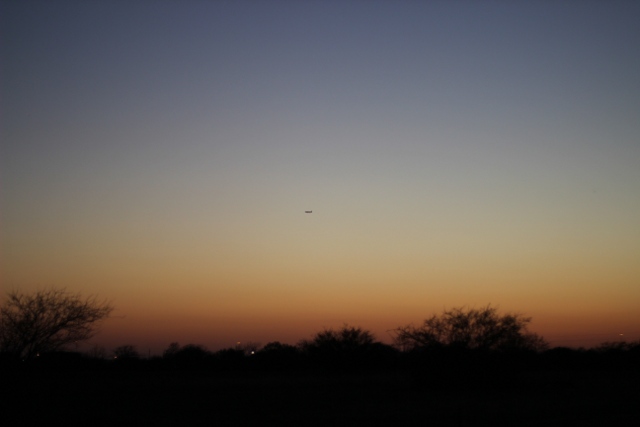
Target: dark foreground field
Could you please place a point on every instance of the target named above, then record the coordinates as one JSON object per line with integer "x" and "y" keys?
{"x": 134, "y": 397}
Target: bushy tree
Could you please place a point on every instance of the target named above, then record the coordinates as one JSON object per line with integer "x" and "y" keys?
{"x": 126, "y": 352}
{"x": 171, "y": 351}
{"x": 346, "y": 339}
{"x": 276, "y": 355}
{"x": 47, "y": 320}
{"x": 473, "y": 329}
{"x": 248, "y": 348}
{"x": 276, "y": 347}
{"x": 346, "y": 348}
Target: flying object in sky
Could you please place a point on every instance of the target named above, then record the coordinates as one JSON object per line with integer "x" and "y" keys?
{"x": 308, "y": 211}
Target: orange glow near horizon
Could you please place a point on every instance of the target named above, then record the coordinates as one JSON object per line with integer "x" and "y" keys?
{"x": 164, "y": 294}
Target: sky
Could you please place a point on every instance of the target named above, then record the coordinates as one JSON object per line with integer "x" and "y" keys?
{"x": 162, "y": 155}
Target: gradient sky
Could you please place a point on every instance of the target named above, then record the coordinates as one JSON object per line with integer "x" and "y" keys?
{"x": 161, "y": 154}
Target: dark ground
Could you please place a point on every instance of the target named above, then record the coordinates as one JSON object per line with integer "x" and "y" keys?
{"x": 134, "y": 397}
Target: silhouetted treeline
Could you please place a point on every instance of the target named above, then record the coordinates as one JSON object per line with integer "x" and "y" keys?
{"x": 463, "y": 344}
{"x": 329, "y": 355}
{"x": 464, "y": 367}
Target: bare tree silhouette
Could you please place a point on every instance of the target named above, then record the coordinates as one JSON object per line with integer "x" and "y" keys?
{"x": 47, "y": 321}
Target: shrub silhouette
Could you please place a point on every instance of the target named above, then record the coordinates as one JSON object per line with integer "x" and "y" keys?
{"x": 126, "y": 352}
{"x": 278, "y": 356}
{"x": 346, "y": 348}
{"x": 191, "y": 355}
{"x": 171, "y": 351}
{"x": 471, "y": 329}
{"x": 229, "y": 358}
{"x": 620, "y": 354}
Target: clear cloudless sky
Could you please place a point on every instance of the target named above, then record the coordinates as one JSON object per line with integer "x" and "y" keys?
{"x": 162, "y": 154}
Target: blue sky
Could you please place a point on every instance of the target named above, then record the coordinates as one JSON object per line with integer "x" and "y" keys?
{"x": 453, "y": 153}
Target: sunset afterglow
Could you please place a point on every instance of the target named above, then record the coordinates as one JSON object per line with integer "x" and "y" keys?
{"x": 163, "y": 155}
